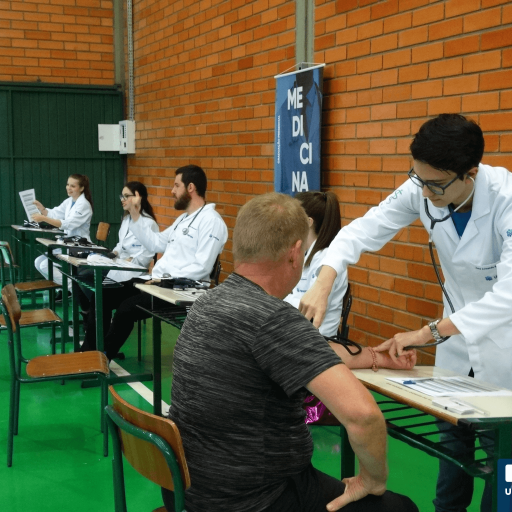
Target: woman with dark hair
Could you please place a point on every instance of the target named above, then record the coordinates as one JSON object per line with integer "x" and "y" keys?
{"x": 134, "y": 199}
{"x": 324, "y": 218}
{"x": 73, "y": 216}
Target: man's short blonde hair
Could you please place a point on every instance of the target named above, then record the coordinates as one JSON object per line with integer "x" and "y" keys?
{"x": 267, "y": 226}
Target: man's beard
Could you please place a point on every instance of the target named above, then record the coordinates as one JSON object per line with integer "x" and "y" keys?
{"x": 181, "y": 203}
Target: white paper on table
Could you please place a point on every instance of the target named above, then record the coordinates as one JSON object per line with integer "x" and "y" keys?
{"x": 450, "y": 386}
{"x": 27, "y": 199}
{"x": 98, "y": 259}
{"x": 127, "y": 264}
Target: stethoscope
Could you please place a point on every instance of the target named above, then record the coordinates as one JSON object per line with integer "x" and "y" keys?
{"x": 433, "y": 222}
{"x": 186, "y": 230}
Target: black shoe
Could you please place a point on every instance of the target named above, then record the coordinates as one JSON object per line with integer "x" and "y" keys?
{"x": 85, "y": 319}
{"x": 58, "y": 297}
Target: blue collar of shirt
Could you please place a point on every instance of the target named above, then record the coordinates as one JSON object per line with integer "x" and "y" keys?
{"x": 460, "y": 220}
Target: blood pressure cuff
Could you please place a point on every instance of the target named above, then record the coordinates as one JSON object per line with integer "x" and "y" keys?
{"x": 80, "y": 253}
{"x": 352, "y": 347}
{"x": 178, "y": 283}
{"x": 76, "y": 239}
{"x": 83, "y": 253}
{"x": 40, "y": 225}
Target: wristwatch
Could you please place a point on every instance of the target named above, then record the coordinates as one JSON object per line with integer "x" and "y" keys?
{"x": 435, "y": 332}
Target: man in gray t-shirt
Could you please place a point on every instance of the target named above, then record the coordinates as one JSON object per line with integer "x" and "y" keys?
{"x": 243, "y": 365}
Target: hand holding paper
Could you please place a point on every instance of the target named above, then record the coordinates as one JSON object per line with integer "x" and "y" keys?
{"x": 27, "y": 199}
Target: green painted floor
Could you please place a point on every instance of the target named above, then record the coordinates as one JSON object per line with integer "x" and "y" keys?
{"x": 58, "y": 462}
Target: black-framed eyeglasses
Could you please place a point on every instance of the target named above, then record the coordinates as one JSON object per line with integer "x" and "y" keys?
{"x": 433, "y": 187}
{"x": 125, "y": 198}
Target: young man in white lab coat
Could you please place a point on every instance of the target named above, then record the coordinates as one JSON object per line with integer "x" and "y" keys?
{"x": 474, "y": 245}
{"x": 190, "y": 247}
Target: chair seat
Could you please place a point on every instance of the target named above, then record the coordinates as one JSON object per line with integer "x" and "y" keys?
{"x": 68, "y": 364}
{"x": 36, "y": 286}
{"x": 35, "y": 317}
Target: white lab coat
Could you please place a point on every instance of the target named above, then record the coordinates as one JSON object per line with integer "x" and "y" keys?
{"x": 477, "y": 268}
{"x": 332, "y": 318}
{"x": 75, "y": 221}
{"x": 130, "y": 247}
{"x": 190, "y": 254}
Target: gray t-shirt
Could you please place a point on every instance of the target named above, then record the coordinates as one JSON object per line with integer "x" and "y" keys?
{"x": 241, "y": 365}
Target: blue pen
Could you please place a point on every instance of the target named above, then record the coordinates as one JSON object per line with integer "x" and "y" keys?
{"x": 409, "y": 382}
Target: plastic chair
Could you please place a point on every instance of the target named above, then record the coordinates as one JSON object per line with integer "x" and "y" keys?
{"x": 5, "y": 267}
{"x": 75, "y": 366}
{"x": 7, "y": 262}
{"x": 152, "y": 445}
{"x": 44, "y": 317}
{"x": 103, "y": 231}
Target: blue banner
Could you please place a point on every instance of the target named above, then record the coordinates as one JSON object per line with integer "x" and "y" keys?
{"x": 297, "y": 131}
{"x": 504, "y": 478}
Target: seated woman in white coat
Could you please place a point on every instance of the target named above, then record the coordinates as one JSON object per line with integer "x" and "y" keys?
{"x": 73, "y": 216}
{"x": 134, "y": 198}
{"x": 324, "y": 218}
{"x": 323, "y": 213}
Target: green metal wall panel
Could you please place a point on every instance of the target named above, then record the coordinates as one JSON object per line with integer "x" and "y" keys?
{"x": 50, "y": 132}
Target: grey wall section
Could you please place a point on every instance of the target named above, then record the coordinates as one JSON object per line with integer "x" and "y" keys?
{"x": 50, "y": 132}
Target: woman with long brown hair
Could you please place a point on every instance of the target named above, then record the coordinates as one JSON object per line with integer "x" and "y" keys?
{"x": 324, "y": 217}
{"x": 73, "y": 216}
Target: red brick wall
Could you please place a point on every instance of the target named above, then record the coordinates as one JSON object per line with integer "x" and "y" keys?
{"x": 205, "y": 90}
{"x": 390, "y": 66}
{"x": 204, "y": 83}
{"x": 57, "y": 41}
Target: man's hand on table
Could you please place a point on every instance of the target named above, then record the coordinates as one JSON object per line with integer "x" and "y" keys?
{"x": 357, "y": 487}
{"x": 404, "y": 362}
{"x": 395, "y": 345}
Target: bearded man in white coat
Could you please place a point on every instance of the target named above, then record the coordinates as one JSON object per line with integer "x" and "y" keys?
{"x": 190, "y": 247}
{"x": 473, "y": 238}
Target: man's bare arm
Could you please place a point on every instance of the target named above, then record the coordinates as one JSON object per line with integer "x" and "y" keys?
{"x": 356, "y": 409}
{"x": 365, "y": 358}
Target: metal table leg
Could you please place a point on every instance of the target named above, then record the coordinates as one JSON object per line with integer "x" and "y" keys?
{"x": 157, "y": 366}
{"x": 98, "y": 290}
{"x": 76, "y": 320}
{"x": 65, "y": 308}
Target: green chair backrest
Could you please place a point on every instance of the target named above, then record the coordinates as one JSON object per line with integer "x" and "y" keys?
{"x": 12, "y": 313}
{"x": 6, "y": 260}
{"x": 151, "y": 444}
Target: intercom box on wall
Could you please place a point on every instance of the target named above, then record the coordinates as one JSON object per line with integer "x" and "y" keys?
{"x": 127, "y": 137}
{"x": 117, "y": 137}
